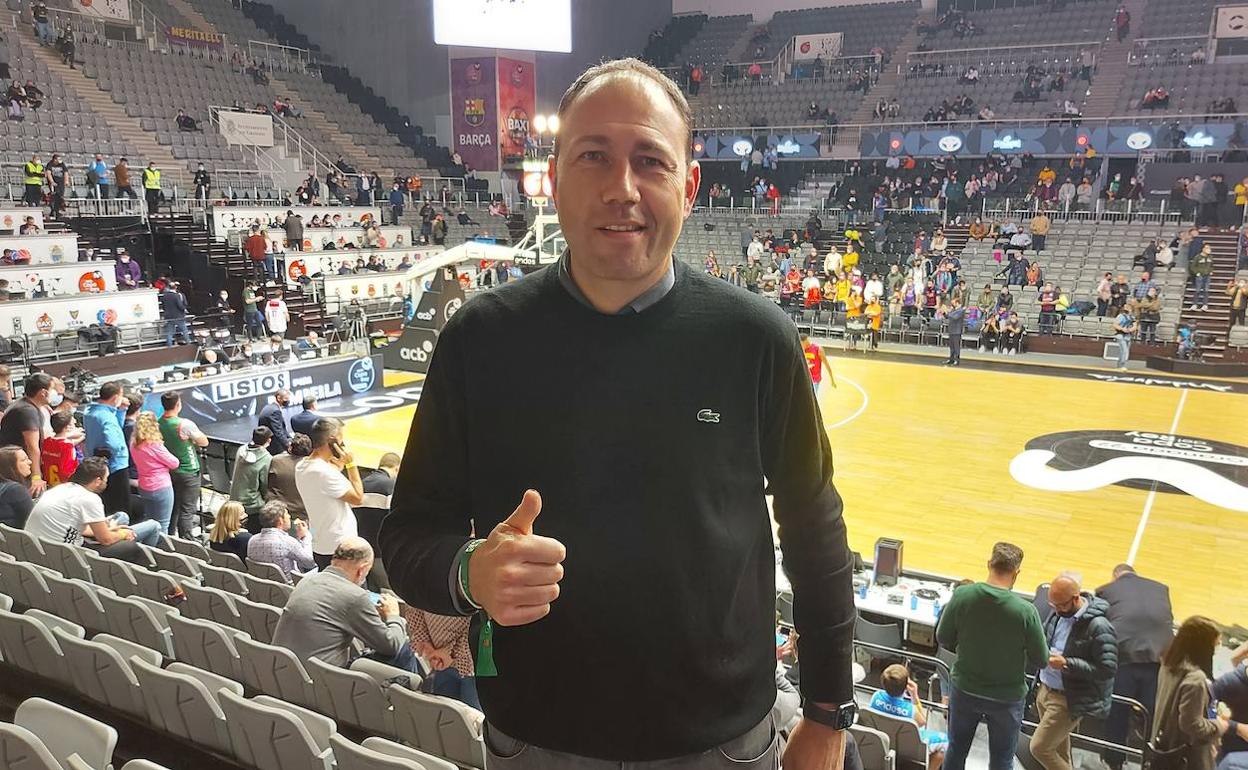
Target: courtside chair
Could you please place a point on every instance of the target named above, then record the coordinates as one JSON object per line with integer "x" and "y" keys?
{"x": 66, "y": 732}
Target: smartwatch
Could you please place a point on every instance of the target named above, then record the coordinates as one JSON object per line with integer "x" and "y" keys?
{"x": 841, "y": 717}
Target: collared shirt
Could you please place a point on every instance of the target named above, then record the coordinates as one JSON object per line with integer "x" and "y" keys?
{"x": 1057, "y": 646}
{"x": 275, "y": 546}
{"x": 646, "y": 299}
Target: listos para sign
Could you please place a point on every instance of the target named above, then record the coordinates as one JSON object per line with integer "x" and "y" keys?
{"x": 1216, "y": 472}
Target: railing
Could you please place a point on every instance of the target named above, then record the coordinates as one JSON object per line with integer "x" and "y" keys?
{"x": 83, "y": 25}
{"x": 955, "y": 60}
{"x": 1178, "y": 50}
{"x": 282, "y": 57}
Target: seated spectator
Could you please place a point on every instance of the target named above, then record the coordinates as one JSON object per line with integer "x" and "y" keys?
{"x": 330, "y": 613}
{"x": 229, "y": 534}
{"x": 1198, "y": 56}
{"x": 286, "y": 109}
{"x": 1224, "y": 106}
{"x": 446, "y": 644}
{"x": 986, "y": 113}
{"x": 990, "y": 334}
{"x": 1058, "y": 82}
{"x": 755, "y": 71}
{"x": 287, "y": 546}
{"x": 900, "y": 698}
{"x": 15, "y": 499}
{"x": 464, "y": 219}
{"x": 1070, "y": 109}
{"x": 1157, "y": 97}
{"x": 29, "y": 227}
{"x": 1012, "y": 334}
{"x": 73, "y": 513}
{"x": 186, "y": 122}
{"x": 971, "y": 75}
{"x": 34, "y": 97}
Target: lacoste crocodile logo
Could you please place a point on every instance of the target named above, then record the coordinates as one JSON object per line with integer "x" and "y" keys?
{"x": 706, "y": 415}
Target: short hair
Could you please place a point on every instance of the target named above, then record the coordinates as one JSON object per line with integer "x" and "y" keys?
{"x": 641, "y": 71}
{"x": 309, "y": 402}
{"x": 89, "y": 470}
{"x": 1123, "y": 569}
{"x": 170, "y": 400}
{"x": 894, "y": 680}
{"x": 272, "y": 512}
{"x": 261, "y": 435}
{"x": 389, "y": 460}
{"x": 1007, "y": 558}
{"x": 300, "y": 445}
{"x": 109, "y": 390}
{"x": 36, "y": 382}
{"x": 353, "y": 550}
{"x": 136, "y": 402}
{"x": 60, "y": 421}
{"x": 323, "y": 430}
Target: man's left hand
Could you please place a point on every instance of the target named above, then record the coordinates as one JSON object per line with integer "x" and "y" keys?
{"x": 1057, "y": 661}
{"x": 813, "y": 746}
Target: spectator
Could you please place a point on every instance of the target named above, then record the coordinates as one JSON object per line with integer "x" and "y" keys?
{"x": 128, "y": 272}
{"x": 397, "y": 199}
{"x": 61, "y": 450}
{"x": 900, "y": 697}
{"x": 1186, "y": 727}
{"x": 998, "y": 639}
{"x": 990, "y": 334}
{"x": 1202, "y": 272}
{"x": 56, "y": 173}
{"x": 1048, "y": 306}
{"x": 15, "y": 499}
{"x": 1103, "y": 294}
{"x": 1040, "y": 224}
{"x": 462, "y": 217}
{"x": 104, "y": 438}
{"x": 220, "y": 312}
{"x": 253, "y": 319}
{"x": 330, "y": 613}
{"x": 173, "y": 307}
{"x": 257, "y": 248}
{"x": 1238, "y": 292}
{"x": 203, "y": 183}
{"x": 276, "y": 314}
{"x": 182, "y": 439}
{"x": 154, "y": 463}
{"x": 273, "y": 417}
{"x": 303, "y": 422}
{"x": 444, "y": 642}
{"x": 121, "y": 175}
{"x": 294, "y": 231}
{"x": 72, "y": 511}
{"x": 1148, "y": 310}
{"x": 33, "y": 175}
{"x": 1012, "y": 334}
{"x": 1078, "y": 681}
{"x": 282, "y": 486}
{"x": 279, "y": 542}
{"x": 228, "y": 534}
{"x": 1119, "y": 294}
{"x": 250, "y": 479}
{"x": 22, "y": 425}
{"x": 1122, "y": 22}
{"x": 1125, "y": 327}
{"x": 326, "y": 493}
{"x": 43, "y": 25}
{"x": 438, "y": 230}
{"x": 1141, "y": 289}
{"x": 186, "y": 122}
{"x": 1139, "y": 610}
{"x": 1231, "y": 689}
{"x": 6, "y": 387}
{"x": 151, "y": 187}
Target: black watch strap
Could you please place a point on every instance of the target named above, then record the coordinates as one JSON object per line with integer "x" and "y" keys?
{"x": 840, "y": 718}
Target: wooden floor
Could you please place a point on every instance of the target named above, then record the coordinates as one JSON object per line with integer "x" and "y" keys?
{"x": 923, "y": 454}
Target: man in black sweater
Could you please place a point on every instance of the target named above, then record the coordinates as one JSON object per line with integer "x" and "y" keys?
{"x": 659, "y": 406}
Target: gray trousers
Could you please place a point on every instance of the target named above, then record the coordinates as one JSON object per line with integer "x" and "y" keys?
{"x": 758, "y": 749}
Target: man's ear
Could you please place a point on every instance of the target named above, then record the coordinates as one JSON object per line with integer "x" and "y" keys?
{"x": 693, "y": 181}
{"x": 551, "y": 163}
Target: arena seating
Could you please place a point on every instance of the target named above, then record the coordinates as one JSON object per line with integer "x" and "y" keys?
{"x": 745, "y": 103}
{"x": 714, "y": 43}
{"x": 1191, "y": 86}
{"x": 108, "y": 634}
{"x": 1074, "y": 22}
{"x": 864, "y": 26}
{"x": 665, "y": 43}
{"x": 1174, "y": 18}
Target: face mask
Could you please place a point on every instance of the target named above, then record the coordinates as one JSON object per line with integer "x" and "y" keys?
{"x": 55, "y": 399}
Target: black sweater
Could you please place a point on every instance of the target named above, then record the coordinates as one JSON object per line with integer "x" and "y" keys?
{"x": 648, "y": 436}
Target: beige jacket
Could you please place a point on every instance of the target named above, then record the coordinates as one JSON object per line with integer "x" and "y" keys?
{"x": 1182, "y": 709}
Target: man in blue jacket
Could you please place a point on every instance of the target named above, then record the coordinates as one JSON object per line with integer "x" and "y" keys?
{"x": 104, "y": 421}
{"x": 273, "y": 417}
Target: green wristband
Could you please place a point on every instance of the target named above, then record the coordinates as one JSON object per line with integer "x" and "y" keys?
{"x": 463, "y": 571}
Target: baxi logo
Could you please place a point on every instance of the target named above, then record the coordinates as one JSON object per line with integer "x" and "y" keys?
{"x": 362, "y": 375}
{"x": 1080, "y": 461}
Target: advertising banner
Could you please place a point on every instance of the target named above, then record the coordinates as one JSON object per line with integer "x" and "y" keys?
{"x": 474, "y": 111}
{"x": 246, "y": 128}
{"x": 391, "y": 236}
{"x": 1232, "y": 21}
{"x": 63, "y": 279}
{"x": 227, "y": 218}
{"x": 77, "y": 311}
{"x": 736, "y": 147}
{"x": 194, "y": 38}
{"x": 517, "y": 103}
{"x": 11, "y": 219}
{"x": 244, "y": 393}
{"x": 326, "y": 263}
{"x": 824, "y": 46}
{"x": 42, "y": 249}
{"x": 106, "y": 10}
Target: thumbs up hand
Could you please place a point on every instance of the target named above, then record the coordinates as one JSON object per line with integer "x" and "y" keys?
{"x": 515, "y": 574}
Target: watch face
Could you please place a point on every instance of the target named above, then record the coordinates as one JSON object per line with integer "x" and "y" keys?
{"x": 846, "y": 715}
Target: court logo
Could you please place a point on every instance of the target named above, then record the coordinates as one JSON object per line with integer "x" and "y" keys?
{"x": 1080, "y": 461}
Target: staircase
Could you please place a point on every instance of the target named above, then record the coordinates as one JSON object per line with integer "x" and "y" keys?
{"x": 338, "y": 141}
{"x": 102, "y": 104}
{"x": 182, "y": 227}
{"x": 1111, "y": 66}
{"x": 195, "y": 17}
{"x": 1217, "y": 322}
{"x": 846, "y": 145}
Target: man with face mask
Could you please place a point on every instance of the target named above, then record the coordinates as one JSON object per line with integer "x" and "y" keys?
{"x": 201, "y": 181}
{"x": 273, "y": 417}
{"x": 122, "y": 174}
{"x": 151, "y": 186}
{"x": 128, "y": 272}
{"x": 222, "y": 309}
{"x": 1079, "y": 679}
{"x": 33, "y": 176}
{"x": 330, "y": 613}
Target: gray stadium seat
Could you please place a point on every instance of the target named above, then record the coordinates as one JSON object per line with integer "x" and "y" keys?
{"x": 266, "y": 591}
{"x": 116, "y": 575}
{"x": 210, "y": 604}
{"x": 20, "y": 749}
{"x": 381, "y": 754}
{"x": 66, "y": 732}
{"x": 266, "y": 571}
{"x": 258, "y": 620}
{"x": 439, "y": 726}
{"x": 25, "y": 583}
{"x": 275, "y": 671}
{"x": 53, "y": 622}
{"x": 186, "y": 547}
{"x": 183, "y": 705}
{"x": 156, "y": 586}
{"x": 176, "y": 563}
{"x": 78, "y": 601}
{"x": 102, "y": 673}
{"x": 143, "y": 764}
{"x": 69, "y": 560}
{"x": 390, "y": 748}
{"x": 226, "y": 560}
{"x": 903, "y": 735}
{"x": 224, "y": 579}
{"x": 351, "y": 698}
{"x": 874, "y": 748}
{"x": 206, "y": 645}
{"x": 137, "y": 621}
{"x": 28, "y": 644}
{"x": 267, "y": 737}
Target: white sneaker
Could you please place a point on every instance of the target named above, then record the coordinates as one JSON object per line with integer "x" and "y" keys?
{"x": 1193, "y": 309}
{"x": 1205, "y": 308}
{"x": 1013, "y": 352}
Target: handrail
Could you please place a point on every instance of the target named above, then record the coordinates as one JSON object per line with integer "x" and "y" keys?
{"x": 1142, "y": 48}
{"x": 303, "y": 56}
{"x": 985, "y": 49}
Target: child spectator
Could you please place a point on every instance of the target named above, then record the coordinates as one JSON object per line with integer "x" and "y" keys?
{"x": 61, "y": 452}
{"x": 900, "y": 698}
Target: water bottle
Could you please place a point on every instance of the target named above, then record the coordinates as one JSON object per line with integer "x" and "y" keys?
{"x": 914, "y": 602}
{"x": 936, "y": 608}
{"x": 862, "y": 592}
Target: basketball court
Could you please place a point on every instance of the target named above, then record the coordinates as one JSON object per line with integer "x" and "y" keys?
{"x": 931, "y": 455}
